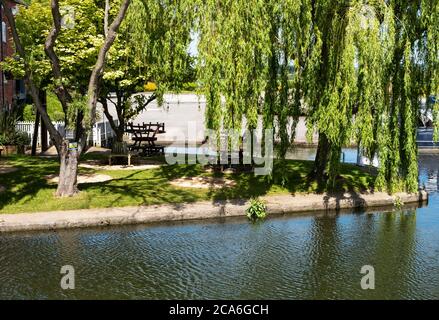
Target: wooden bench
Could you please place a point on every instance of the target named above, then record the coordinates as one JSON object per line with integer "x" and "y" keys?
{"x": 121, "y": 150}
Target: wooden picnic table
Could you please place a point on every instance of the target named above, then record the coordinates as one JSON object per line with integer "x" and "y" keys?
{"x": 144, "y": 137}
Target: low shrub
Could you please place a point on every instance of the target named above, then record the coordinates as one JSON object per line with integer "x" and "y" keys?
{"x": 22, "y": 139}
{"x": 3, "y": 140}
{"x": 398, "y": 203}
{"x": 17, "y": 138}
{"x": 257, "y": 210}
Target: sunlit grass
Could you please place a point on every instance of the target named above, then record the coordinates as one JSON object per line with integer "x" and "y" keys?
{"x": 28, "y": 191}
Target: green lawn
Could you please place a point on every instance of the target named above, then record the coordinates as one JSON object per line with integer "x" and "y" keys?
{"x": 28, "y": 191}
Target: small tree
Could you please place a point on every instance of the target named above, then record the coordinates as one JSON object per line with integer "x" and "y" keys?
{"x": 69, "y": 155}
{"x": 152, "y": 46}
{"x": 123, "y": 78}
{"x": 77, "y": 47}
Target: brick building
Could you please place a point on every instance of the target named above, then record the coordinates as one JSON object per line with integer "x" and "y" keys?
{"x": 12, "y": 90}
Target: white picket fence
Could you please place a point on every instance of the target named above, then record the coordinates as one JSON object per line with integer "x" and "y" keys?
{"x": 100, "y": 136}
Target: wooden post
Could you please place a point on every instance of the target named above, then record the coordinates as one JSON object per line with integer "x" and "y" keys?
{"x": 43, "y": 98}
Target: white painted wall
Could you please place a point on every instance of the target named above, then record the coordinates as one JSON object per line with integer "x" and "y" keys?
{"x": 180, "y": 109}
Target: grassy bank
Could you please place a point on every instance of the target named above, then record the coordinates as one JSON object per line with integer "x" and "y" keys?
{"x": 27, "y": 190}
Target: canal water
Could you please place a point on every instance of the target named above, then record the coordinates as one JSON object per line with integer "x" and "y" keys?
{"x": 291, "y": 257}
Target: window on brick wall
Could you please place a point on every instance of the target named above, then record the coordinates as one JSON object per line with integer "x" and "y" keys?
{"x": 4, "y": 33}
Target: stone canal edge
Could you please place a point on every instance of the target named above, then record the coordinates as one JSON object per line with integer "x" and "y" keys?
{"x": 276, "y": 205}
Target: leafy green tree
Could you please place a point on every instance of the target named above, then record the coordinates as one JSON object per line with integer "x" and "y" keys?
{"x": 359, "y": 69}
{"x": 77, "y": 45}
{"x": 74, "y": 82}
{"x": 152, "y": 46}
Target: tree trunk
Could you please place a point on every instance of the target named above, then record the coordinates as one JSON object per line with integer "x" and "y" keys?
{"x": 322, "y": 158}
{"x": 119, "y": 134}
{"x": 93, "y": 84}
{"x": 119, "y": 130}
{"x": 35, "y": 136}
{"x": 43, "y": 99}
{"x": 67, "y": 185}
{"x": 79, "y": 128}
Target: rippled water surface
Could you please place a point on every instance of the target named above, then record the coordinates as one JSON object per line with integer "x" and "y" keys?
{"x": 293, "y": 257}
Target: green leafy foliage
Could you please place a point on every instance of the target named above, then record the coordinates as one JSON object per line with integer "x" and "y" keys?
{"x": 356, "y": 69}
{"x": 256, "y": 210}
{"x": 8, "y": 120}
{"x": 28, "y": 113}
{"x": 151, "y": 48}
{"x": 17, "y": 138}
{"x": 8, "y": 133}
{"x": 54, "y": 109}
{"x": 398, "y": 203}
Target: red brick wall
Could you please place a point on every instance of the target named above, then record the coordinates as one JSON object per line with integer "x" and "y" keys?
{"x": 7, "y": 87}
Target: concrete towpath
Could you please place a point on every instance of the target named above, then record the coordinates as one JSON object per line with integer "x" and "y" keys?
{"x": 280, "y": 204}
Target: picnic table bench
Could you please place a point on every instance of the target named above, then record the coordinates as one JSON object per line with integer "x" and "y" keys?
{"x": 144, "y": 137}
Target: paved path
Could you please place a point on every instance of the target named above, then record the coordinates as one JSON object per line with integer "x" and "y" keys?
{"x": 281, "y": 204}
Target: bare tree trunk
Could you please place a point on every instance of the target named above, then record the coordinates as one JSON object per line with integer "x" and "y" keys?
{"x": 67, "y": 185}
{"x": 120, "y": 131}
{"x": 110, "y": 118}
{"x": 321, "y": 161}
{"x": 49, "y": 47}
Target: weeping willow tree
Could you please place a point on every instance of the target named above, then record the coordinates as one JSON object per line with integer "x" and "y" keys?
{"x": 158, "y": 35}
{"x": 430, "y": 55}
{"x": 345, "y": 78}
{"x": 410, "y": 74}
{"x": 233, "y": 42}
{"x": 356, "y": 68}
{"x": 247, "y": 50}
{"x": 377, "y": 59}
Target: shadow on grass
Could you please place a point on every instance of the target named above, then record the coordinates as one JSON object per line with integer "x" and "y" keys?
{"x": 147, "y": 187}
{"x": 28, "y": 180}
{"x": 28, "y": 190}
{"x": 293, "y": 177}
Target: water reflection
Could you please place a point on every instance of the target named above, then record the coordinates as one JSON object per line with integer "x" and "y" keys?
{"x": 292, "y": 257}
{"x": 349, "y": 155}
{"x": 429, "y": 172}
